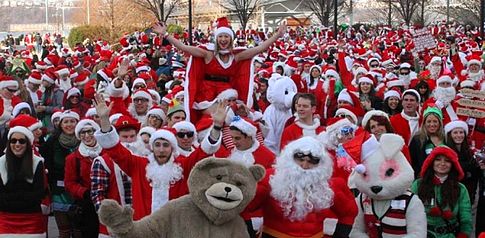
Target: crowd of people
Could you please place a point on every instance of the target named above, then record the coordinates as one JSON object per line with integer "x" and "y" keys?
{"x": 81, "y": 125}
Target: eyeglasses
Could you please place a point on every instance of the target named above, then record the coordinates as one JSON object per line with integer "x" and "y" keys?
{"x": 12, "y": 90}
{"x": 189, "y": 134}
{"x": 300, "y": 157}
{"x": 140, "y": 100}
{"x": 138, "y": 86}
{"x": 20, "y": 141}
{"x": 347, "y": 130}
{"x": 88, "y": 132}
{"x": 406, "y": 73}
{"x": 374, "y": 66}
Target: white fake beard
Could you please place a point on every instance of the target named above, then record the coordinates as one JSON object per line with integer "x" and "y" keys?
{"x": 165, "y": 174}
{"x": 445, "y": 95}
{"x": 476, "y": 77}
{"x": 65, "y": 85}
{"x": 245, "y": 158}
{"x": 300, "y": 191}
{"x": 137, "y": 147}
{"x": 405, "y": 78}
{"x": 434, "y": 72}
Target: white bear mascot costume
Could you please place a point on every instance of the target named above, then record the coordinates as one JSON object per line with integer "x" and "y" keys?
{"x": 386, "y": 206}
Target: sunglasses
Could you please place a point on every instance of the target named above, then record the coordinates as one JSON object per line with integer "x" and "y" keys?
{"x": 88, "y": 132}
{"x": 407, "y": 73}
{"x": 140, "y": 100}
{"x": 374, "y": 65}
{"x": 139, "y": 86}
{"x": 189, "y": 134}
{"x": 20, "y": 141}
{"x": 300, "y": 157}
{"x": 347, "y": 130}
{"x": 12, "y": 90}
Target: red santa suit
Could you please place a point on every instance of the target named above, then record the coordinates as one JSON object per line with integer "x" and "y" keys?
{"x": 405, "y": 126}
{"x": 297, "y": 130}
{"x": 448, "y": 111}
{"x": 320, "y": 94}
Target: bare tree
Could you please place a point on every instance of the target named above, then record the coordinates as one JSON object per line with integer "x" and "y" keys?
{"x": 323, "y": 9}
{"x": 406, "y": 8}
{"x": 162, "y": 9}
{"x": 463, "y": 11}
{"x": 243, "y": 9}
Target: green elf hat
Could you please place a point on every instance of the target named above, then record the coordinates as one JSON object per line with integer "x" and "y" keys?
{"x": 433, "y": 109}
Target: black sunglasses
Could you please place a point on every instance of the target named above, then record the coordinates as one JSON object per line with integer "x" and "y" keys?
{"x": 300, "y": 156}
{"x": 12, "y": 90}
{"x": 189, "y": 134}
{"x": 20, "y": 141}
{"x": 404, "y": 73}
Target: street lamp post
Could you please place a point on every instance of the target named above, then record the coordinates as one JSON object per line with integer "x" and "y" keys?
{"x": 190, "y": 22}
{"x": 335, "y": 30}
{"x": 482, "y": 16}
{"x": 46, "y": 15}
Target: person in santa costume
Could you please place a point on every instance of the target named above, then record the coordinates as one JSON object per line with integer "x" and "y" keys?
{"x": 305, "y": 123}
{"x": 77, "y": 180}
{"x": 163, "y": 174}
{"x": 444, "y": 98}
{"x": 406, "y": 123}
{"x": 220, "y": 67}
{"x": 74, "y": 101}
{"x": 22, "y": 187}
{"x": 473, "y": 72}
{"x": 316, "y": 87}
{"x": 299, "y": 194}
{"x": 32, "y": 84}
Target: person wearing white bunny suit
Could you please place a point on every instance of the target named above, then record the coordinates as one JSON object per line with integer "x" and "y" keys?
{"x": 280, "y": 93}
{"x": 386, "y": 206}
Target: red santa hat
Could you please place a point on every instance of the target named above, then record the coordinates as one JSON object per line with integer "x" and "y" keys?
{"x": 22, "y": 130}
{"x": 106, "y": 74}
{"x": 81, "y": 79}
{"x": 435, "y": 59}
{"x": 344, "y": 95}
{"x": 360, "y": 148}
{"x": 8, "y": 81}
{"x": 56, "y": 115}
{"x": 405, "y": 66}
{"x": 40, "y": 65}
{"x": 332, "y": 73}
{"x": 138, "y": 81}
{"x": 35, "y": 78}
{"x": 184, "y": 125}
{"x": 448, "y": 153}
{"x": 474, "y": 59}
{"x": 158, "y": 112}
{"x": 91, "y": 112}
{"x": 85, "y": 124}
{"x": 443, "y": 79}
{"x": 413, "y": 92}
{"x": 19, "y": 107}
{"x": 49, "y": 76}
{"x": 26, "y": 121}
{"x": 125, "y": 122}
{"x": 468, "y": 84}
{"x": 395, "y": 83}
{"x": 372, "y": 113}
{"x": 243, "y": 125}
{"x": 155, "y": 96}
{"x": 167, "y": 135}
{"x": 72, "y": 91}
{"x": 223, "y": 27}
{"x": 51, "y": 60}
{"x": 143, "y": 93}
{"x": 147, "y": 130}
{"x": 456, "y": 124}
{"x": 347, "y": 111}
{"x": 366, "y": 79}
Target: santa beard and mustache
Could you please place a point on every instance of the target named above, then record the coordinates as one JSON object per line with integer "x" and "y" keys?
{"x": 434, "y": 71}
{"x": 300, "y": 191}
{"x": 137, "y": 147}
{"x": 445, "y": 95}
{"x": 476, "y": 77}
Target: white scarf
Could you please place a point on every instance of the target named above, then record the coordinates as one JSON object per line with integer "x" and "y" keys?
{"x": 88, "y": 151}
{"x": 309, "y": 130}
{"x": 161, "y": 177}
{"x": 245, "y": 157}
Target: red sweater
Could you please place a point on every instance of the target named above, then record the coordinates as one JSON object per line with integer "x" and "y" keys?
{"x": 76, "y": 183}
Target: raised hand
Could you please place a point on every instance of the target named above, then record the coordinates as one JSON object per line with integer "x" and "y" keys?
{"x": 123, "y": 69}
{"x": 102, "y": 110}
{"x": 117, "y": 218}
{"x": 160, "y": 28}
{"x": 220, "y": 113}
{"x": 282, "y": 29}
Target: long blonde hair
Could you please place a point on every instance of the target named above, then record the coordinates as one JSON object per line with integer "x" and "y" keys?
{"x": 423, "y": 134}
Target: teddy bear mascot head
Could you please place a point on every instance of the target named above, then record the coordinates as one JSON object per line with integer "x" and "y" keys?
{"x": 383, "y": 176}
{"x": 219, "y": 191}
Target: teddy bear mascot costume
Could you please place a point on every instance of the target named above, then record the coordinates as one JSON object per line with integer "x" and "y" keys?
{"x": 219, "y": 191}
{"x": 386, "y": 206}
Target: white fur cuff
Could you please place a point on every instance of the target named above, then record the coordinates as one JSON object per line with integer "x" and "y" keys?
{"x": 107, "y": 140}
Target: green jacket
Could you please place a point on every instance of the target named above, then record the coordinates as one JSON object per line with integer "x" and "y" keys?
{"x": 461, "y": 212}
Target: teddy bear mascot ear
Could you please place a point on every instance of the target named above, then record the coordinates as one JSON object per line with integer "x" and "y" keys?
{"x": 258, "y": 172}
{"x": 393, "y": 144}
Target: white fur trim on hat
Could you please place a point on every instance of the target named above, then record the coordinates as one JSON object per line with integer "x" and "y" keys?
{"x": 359, "y": 70}
{"x": 392, "y": 93}
{"x": 9, "y": 83}
{"x": 339, "y": 124}
{"x": 23, "y": 105}
{"x": 63, "y": 71}
{"x": 85, "y": 123}
{"x": 138, "y": 81}
{"x": 246, "y": 127}
{"x": 104, "y": 75}
{"x": 91, "y": 112}
{"x": 365, "y": 80}
{"x": 157, "y": 112}
{"x": 143, "y": 94}
{"x": 73, "y": 91}
{"x": 372, "y": 113}
{"x": 369, "y": 147}
{"x": 444, "y": 78}
{"x": 372, "y": 59}
{"x": 45, "y": 77}
{"x": 227, "y": 94}
{"x": 395, "y": 83}
{"x": 155, "y": 95}
{"x": 345, "y": 111}
{"x": 405, "y": 66}
{"x": 474, "y": 61}
{"x": 142, "y": 68}
{"x": 456, "y": 124}
{"x": 166, "y": 135}
{"x": 184, "y": 125}
{"x": 113, "y": 118}
{"x": 412, "y": 91}
{"x": 467, "y": 84}
{"x": 203, "y": 105}
{"x": 22, "y": 130}
{"x": 226, "y": 30}
{"x": 68, "y": 113}
{"x": 33, "y": 80}
{"x": 332, "y": 73}
{"x": 435, "y": 59}
{"x": 55, "y": 115}
{"x": 147, "y": 130}
{"x": 345, "y": 96}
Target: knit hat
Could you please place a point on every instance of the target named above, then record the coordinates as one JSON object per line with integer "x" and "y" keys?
{"x": 23, "y": 130}
{"x": 434, "y": 110}
{"x": 68, "y": 113}
{"x": 392, "y": 93}
{"x": 244, "y": 126}
{"x": 19, "y": 107}
{"x": 223, "y": 27}
{"x": 448, "y": 153}
{"x": 372, "y": 113}
{"x": 85, "y": 123}
{"x": 125, "y": 122}
{"x": 166, "y": 135}
{"x": 456, "y": 124}
{"x": 8, "y": 81}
